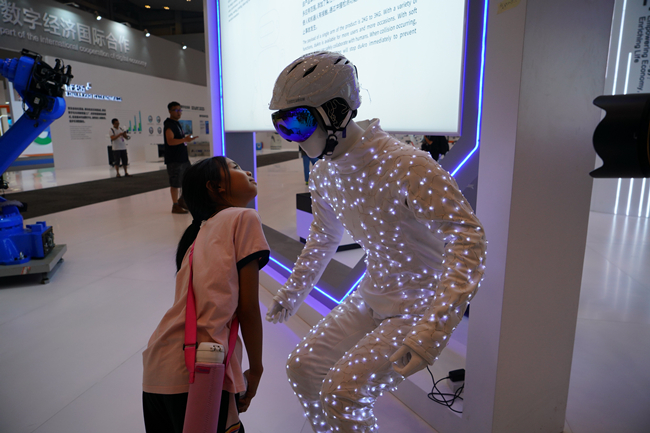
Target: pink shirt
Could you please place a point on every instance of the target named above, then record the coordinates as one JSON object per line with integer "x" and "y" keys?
{"x": 226, "y": 242}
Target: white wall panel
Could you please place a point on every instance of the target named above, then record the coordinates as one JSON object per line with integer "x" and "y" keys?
{"x": 142, "y": 96}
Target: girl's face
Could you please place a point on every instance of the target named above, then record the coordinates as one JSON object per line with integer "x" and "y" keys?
{"x": 242, "y": 188}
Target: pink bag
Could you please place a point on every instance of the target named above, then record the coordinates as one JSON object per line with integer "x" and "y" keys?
{"x": 206, "y": 378}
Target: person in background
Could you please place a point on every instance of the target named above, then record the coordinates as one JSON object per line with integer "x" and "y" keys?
{"x": 118, "y": 142}
{"x": 176, "y": 157}
{"x": 229, "y": 249}
{"x": 305, "y": 162}
{"x": 436, "y": 145}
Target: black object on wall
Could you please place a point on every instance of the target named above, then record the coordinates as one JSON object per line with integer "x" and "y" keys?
{"x": 622, "y": 138}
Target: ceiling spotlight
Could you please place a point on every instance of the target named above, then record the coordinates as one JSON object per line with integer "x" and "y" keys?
{"x": 97, "y": 16}
{"x": 146, "y": 33}
{"x": 166, "y": 8}
{"x": 147, "y": 7}
{"x": 184, "y": 47}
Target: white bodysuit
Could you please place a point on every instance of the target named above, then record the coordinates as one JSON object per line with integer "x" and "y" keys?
{"x": 425, "y": 252}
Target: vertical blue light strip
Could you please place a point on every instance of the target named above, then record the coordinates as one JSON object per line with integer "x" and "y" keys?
{"x": 223, "y": 126}
{"x": 480, "y": 91}
{"x": 478, "y": 140}
{"x": 255, "y": 162}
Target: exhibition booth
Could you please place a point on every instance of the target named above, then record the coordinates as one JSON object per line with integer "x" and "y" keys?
{"x": 118, "y": 71}
{"x": 513, "y": 80}
{"x": 530, "y": 149}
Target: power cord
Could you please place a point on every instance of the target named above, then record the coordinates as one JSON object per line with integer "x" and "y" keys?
{"x": 442, "y": 397}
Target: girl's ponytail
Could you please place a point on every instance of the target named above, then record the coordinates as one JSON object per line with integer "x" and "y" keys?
{"x": 186, "y": 241}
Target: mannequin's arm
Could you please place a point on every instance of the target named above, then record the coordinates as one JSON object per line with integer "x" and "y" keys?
{"x": 325, "y": 235}
{"x": 436, "y": 202}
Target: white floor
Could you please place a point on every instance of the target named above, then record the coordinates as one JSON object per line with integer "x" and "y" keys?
{"x": 70, "y": 351}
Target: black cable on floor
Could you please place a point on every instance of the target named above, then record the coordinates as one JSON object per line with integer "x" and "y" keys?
{"x": 441, "y": 397}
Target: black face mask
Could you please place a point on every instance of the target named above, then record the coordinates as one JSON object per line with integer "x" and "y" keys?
{"x": 337, "y": 117}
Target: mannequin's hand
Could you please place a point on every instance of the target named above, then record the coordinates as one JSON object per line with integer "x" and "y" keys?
{"x": 407, "y": 362}
{"x": 277, "y": 313}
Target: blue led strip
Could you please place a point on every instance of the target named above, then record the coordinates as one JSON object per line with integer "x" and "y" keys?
{"x": 316, "y": 287}
{"x": 478, "y": 140}
{"x": 480, "y": 91}
{"x": 223, "y": 126}
{"x": 354, "y": 286}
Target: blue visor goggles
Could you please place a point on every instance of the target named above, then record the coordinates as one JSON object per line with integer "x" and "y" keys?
{"x": 295, "y": 124}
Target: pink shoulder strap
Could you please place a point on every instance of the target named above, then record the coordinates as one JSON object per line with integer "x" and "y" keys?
{"x": 190, "y": 346}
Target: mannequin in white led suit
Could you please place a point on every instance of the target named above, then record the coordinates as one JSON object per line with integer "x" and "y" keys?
{"x": 425, "y": 249}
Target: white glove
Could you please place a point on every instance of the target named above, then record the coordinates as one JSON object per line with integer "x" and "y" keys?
{"x": 277, "y": 313}
{"x": 407, "y": 362}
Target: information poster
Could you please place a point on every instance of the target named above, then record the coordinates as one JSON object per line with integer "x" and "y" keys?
{"x": 629, "y": 62}
{"x": 409, "y": 55}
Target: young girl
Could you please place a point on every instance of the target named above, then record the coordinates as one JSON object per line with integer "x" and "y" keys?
{"x": 229, "y": 250}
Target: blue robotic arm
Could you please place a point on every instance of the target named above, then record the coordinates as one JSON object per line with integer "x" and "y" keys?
{"x": 41, "y": 88}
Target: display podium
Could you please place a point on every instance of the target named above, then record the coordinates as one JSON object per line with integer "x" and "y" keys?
{"x": 304, "y": 219}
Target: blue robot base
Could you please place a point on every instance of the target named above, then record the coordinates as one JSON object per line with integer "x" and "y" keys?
{"x": 29, "y": 249}
{"x": 45, "y": 266}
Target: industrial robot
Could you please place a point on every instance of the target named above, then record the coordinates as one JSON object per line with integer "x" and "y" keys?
{"x": 41, "y": 87}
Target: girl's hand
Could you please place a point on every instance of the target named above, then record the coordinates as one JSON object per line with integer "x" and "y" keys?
{"x": 253, "y": 381}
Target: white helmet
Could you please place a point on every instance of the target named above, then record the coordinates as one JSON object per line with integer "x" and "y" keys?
{"x": 315, "y": 79}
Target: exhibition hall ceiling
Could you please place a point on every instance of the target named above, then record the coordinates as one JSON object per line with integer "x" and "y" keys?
{"x": 160, "y": 17}
{"x": 180, "y": 5}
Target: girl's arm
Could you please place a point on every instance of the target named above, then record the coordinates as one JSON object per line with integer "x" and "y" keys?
{"x": 250, "y": 321}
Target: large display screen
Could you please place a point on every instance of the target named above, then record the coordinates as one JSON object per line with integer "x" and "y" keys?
{"x": 409, "y": 55}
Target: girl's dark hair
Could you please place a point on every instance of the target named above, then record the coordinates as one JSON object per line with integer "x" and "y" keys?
{"x": 198, "y": 199}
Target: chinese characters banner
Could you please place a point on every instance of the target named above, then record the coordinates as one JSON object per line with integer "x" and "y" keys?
{"x": 43, "y": 27}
